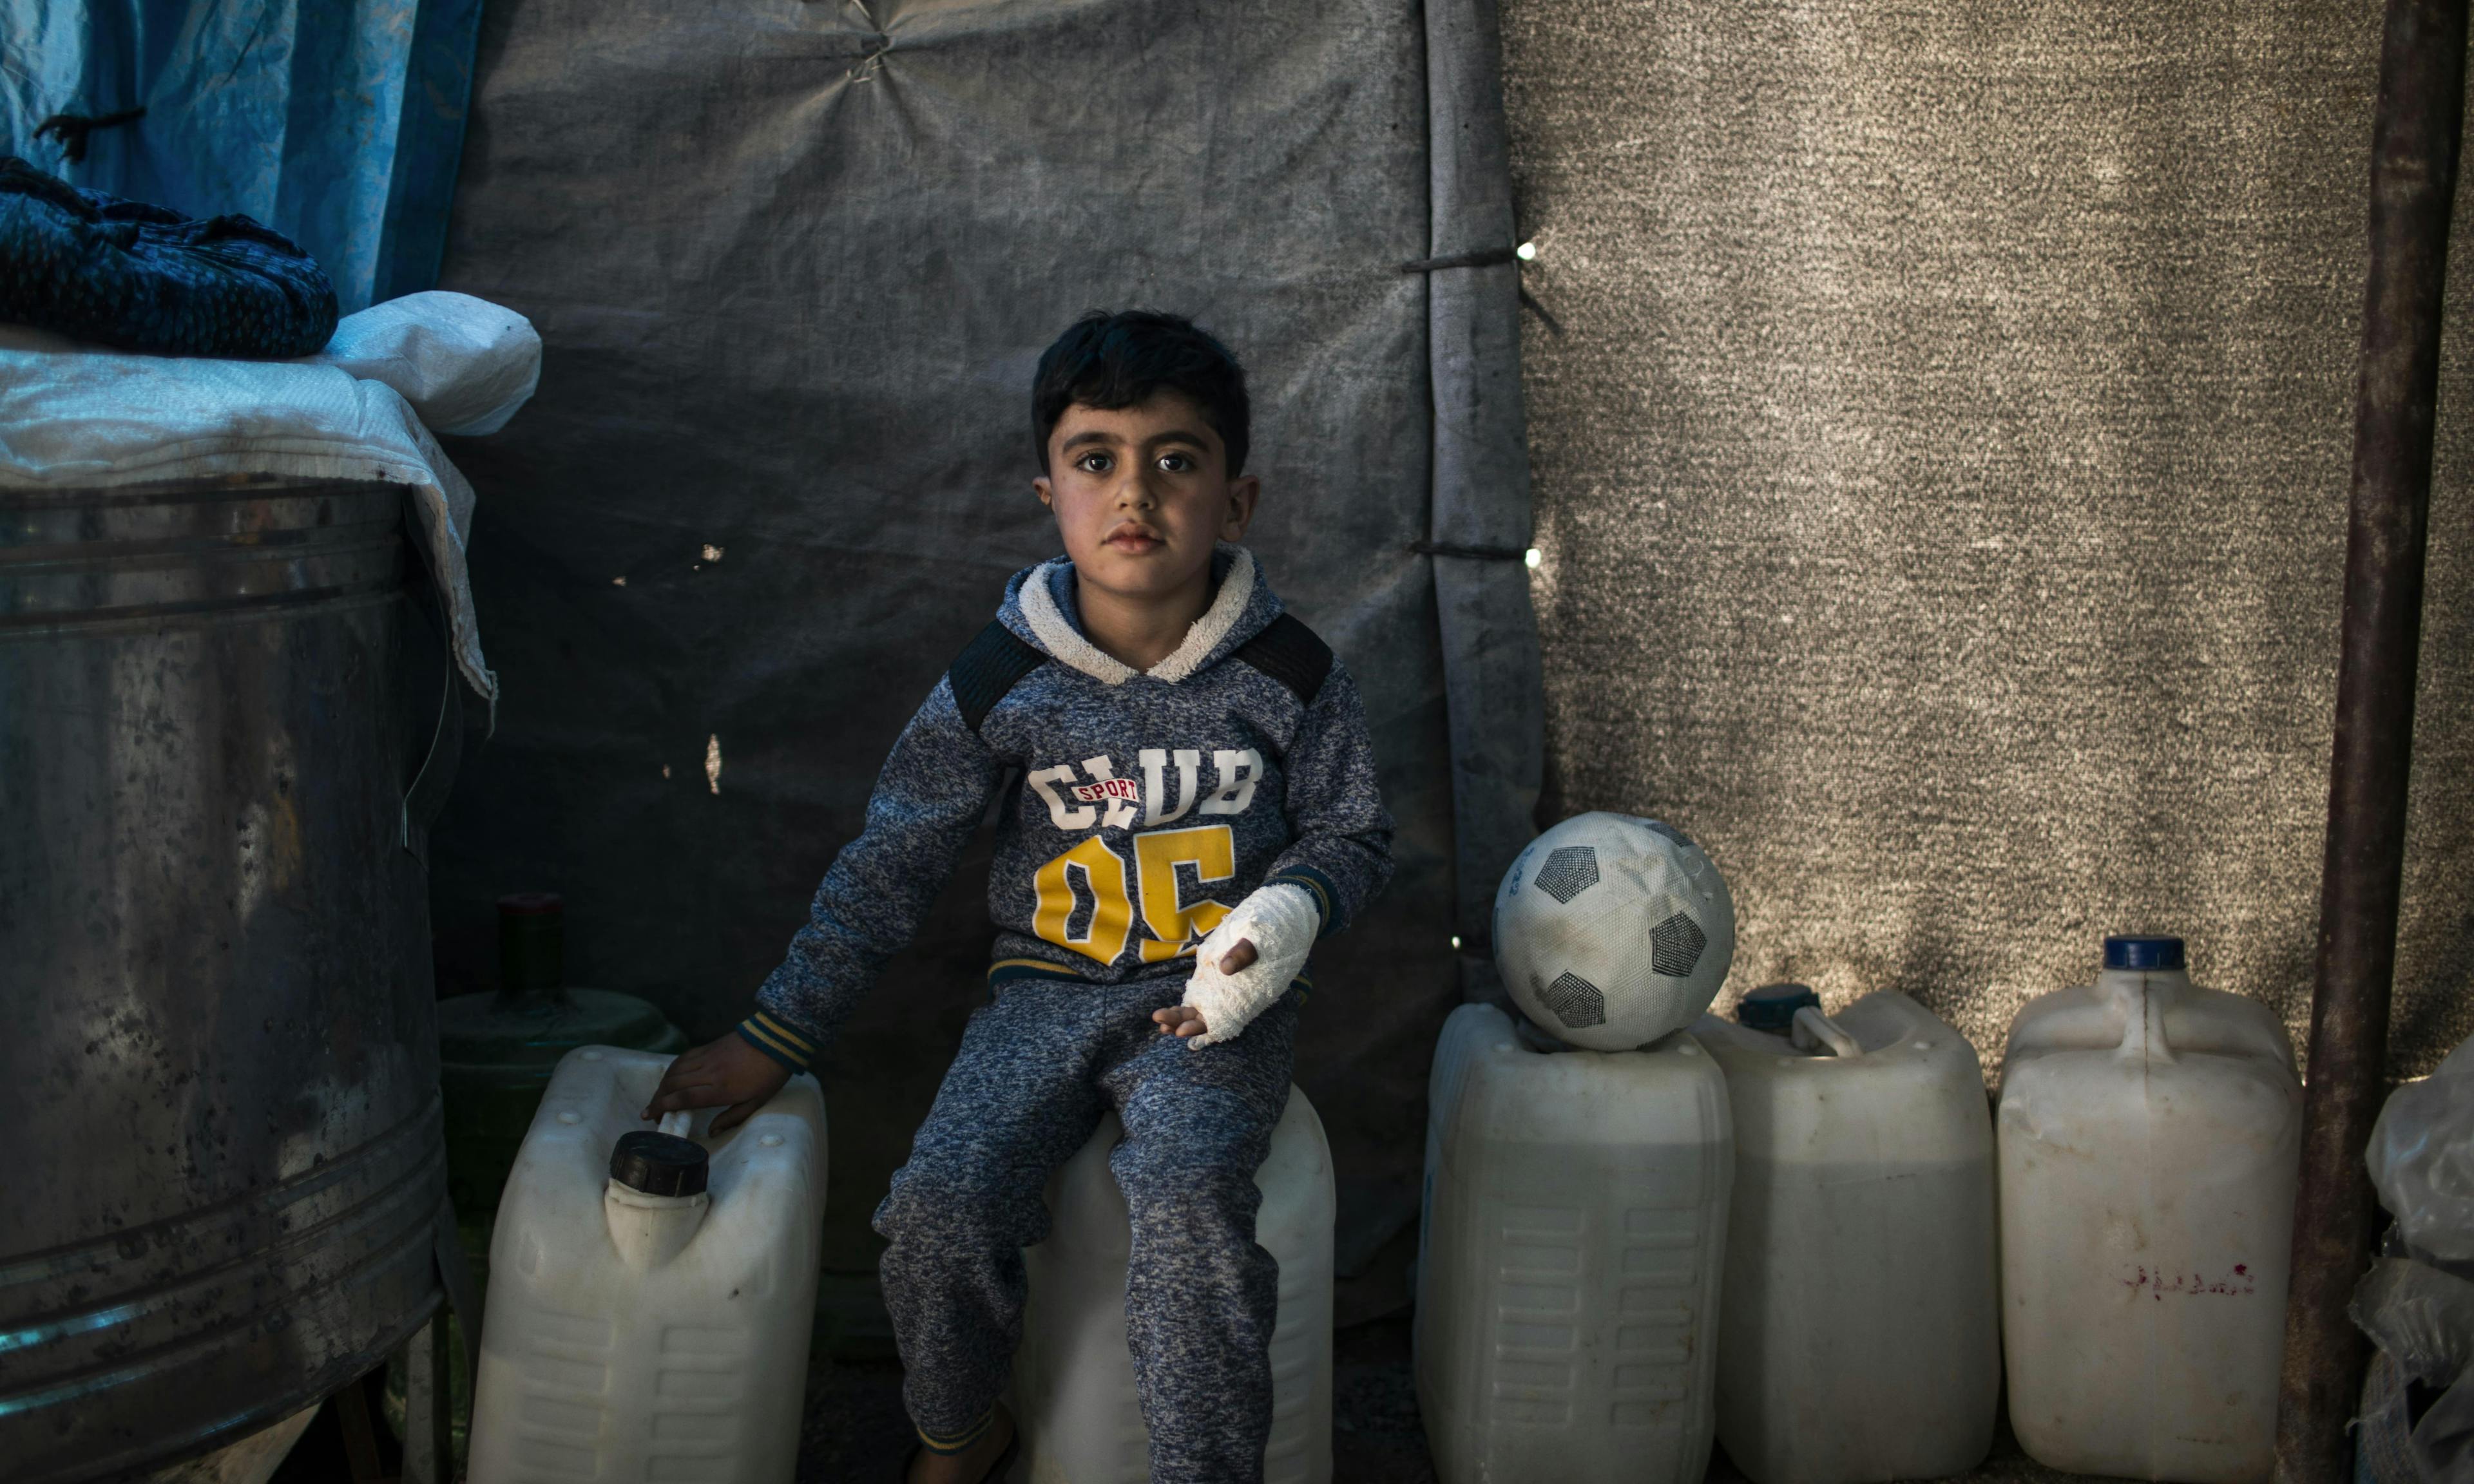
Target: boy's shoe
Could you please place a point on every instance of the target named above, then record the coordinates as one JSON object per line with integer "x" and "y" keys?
{"x": 997, "y": 1471}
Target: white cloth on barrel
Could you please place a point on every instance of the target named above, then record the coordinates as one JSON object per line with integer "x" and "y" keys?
{"x": 80, "y": 417}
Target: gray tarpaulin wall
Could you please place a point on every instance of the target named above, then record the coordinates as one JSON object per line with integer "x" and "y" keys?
{"x": 1941, "y": 469}
{"x": 792, "y": 264}
{"x": 1941, "y": 479}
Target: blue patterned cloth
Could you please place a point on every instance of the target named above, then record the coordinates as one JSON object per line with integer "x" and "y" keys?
{"x": 140, "y": 277}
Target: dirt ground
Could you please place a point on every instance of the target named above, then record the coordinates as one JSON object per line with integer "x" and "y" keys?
{"x": 856, "y": 1432}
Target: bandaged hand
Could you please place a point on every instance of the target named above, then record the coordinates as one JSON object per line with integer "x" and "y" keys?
{"x": 1279, "y": 923}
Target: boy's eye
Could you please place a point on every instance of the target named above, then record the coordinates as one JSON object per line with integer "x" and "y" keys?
{"x": 1095, "y": 463}
{"x": 1177, "y": 463}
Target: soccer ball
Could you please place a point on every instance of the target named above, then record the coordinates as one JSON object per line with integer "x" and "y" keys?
{"x": 1612, "y": 931}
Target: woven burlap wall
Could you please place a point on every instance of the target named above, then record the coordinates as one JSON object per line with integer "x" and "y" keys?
{"x": 1941, "y": 442}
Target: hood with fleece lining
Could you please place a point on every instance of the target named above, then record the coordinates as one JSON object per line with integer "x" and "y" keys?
{"x": 1039, "y": 609}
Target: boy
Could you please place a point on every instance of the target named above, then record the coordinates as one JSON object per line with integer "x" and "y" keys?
{"x": 1188, "y": 802}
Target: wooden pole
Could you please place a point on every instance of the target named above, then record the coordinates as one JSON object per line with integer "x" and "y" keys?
{"x": 2413, "y": 187}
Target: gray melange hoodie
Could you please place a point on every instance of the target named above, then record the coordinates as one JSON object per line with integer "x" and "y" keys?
{"x": 1137, "y": 807}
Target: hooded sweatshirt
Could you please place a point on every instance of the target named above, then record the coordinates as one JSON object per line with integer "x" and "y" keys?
{"x": 1133, "y": 808}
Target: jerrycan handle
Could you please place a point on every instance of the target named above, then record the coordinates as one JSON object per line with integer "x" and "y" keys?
{"x": 2143, "y": 1008}
{"x": 2139, "y": 973}
{"x": 1811, "y": 1028}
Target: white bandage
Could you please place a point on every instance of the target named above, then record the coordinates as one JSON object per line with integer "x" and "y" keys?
{"x": 1281, "y": 921}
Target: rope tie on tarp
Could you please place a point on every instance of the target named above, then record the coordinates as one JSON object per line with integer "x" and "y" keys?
{"x": 1479, "y": 553}
{"x": 71, "y": 128}
{"x": 1485, "y": 257}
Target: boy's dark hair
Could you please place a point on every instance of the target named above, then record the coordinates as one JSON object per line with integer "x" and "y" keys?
{"x": 1119, "y": 360}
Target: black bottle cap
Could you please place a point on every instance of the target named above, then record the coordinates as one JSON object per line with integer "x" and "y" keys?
{"x": 1772, "y": 1007}
{"x": 652, "y": 1163}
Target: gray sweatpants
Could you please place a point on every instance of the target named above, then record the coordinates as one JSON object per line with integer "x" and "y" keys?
{"x": 1035, "y": 1070}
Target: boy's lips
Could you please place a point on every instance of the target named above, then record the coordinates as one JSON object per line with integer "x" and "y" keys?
{"x": 1132, "y": 539}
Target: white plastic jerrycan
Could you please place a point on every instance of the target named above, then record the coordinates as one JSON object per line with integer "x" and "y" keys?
{"x": 650, "y": 1293}
{"x": 1073, "y": 1391}
{"x": 1860, "y": 1336}
{"x": 1569, "y": 1269}
{"x": 2150, "y": 1141}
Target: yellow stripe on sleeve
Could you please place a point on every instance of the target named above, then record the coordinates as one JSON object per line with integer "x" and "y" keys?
{"x": 783, "y": 1032}
{"x": 768, "y": 1042}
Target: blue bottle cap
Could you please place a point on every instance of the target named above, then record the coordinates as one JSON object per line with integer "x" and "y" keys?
{"x": 2139, "y": 951}
{"x": 1772, "y": 1007}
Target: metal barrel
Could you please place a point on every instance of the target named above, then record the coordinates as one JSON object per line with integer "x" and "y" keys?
{"x": 219, "y": 1114}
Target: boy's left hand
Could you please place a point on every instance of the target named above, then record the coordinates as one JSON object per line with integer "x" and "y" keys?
{"x": 1184, "y": 1022}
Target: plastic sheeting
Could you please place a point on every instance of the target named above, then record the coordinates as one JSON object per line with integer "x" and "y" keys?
{"x": 2415, "y": 1304}
{"x": 463, "y": 364}
{"x": 792, "y": 265}
{"x": 338, "y": 124}
{"x": 2421, "y": 1159}
{"x": 72, "y": 417}
{"x": 1941, "y": 481}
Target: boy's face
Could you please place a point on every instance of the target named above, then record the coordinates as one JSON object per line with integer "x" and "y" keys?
{"x": 1141, "y": 493}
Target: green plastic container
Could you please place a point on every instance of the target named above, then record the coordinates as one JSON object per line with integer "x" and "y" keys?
{"x": 495, "y": 1053}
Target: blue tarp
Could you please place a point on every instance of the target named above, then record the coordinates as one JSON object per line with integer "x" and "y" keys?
{"x": 336, "y": 122}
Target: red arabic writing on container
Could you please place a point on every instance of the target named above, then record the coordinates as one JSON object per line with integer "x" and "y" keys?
{"x": 2160, "y": 1283}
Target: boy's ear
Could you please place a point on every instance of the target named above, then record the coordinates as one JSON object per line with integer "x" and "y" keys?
{"x": 1046, "y": 491}
{"x": 1242, "y": 491}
